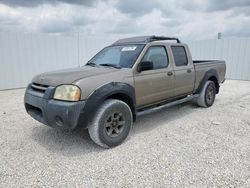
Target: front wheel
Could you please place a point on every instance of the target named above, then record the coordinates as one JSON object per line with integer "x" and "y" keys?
{"x": 207, "y": 95}
{"x": 111, "y": 124}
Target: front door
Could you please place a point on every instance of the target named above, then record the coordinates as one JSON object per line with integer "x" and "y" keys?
{"x": 154, "y": 85}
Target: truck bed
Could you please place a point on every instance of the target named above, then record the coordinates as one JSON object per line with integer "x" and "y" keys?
{"x": 202, "y": 66}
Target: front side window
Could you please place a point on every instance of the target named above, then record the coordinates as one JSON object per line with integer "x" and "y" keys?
{"x": 121, "y": 56}
{"x": 180, "y": 56}
{"x": 158, "y": 55}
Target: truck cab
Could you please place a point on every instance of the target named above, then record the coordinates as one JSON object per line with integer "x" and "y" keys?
{"x": 171, "y": 75}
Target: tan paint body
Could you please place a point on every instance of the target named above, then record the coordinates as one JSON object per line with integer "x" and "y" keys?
{"x": 151, "y": 86}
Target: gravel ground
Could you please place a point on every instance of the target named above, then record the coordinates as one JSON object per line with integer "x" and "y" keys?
{"x": 180, "y": 146}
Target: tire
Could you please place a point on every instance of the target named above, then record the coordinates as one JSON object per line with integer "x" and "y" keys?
{"x": 207, "y": 95}
{"x": 111, "y": 123}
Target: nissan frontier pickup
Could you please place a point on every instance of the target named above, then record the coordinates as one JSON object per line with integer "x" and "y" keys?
{"x": 127, "y": 78}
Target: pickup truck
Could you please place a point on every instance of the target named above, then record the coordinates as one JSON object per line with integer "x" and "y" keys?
{"x": 123, "y": 80}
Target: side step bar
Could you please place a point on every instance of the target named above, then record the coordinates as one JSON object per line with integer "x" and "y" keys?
{"x": 170, "y": 104}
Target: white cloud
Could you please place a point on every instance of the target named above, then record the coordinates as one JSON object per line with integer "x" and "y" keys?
{"x": 194, "y": 19}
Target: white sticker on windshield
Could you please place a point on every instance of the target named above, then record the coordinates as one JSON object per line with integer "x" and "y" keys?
{"x": 128, "y": 48}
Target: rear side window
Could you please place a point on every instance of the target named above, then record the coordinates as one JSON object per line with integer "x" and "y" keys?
{"x": 158, "y": 55}
{"x": 180, "y": 56}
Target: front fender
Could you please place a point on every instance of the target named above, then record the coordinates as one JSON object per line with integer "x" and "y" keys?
{"x": 95, "y": 99}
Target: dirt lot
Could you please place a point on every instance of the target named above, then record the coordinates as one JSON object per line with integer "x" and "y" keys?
{"x": 180, "y": 146}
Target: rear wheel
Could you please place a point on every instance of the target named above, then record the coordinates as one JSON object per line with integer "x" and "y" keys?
{"x": 207, "y": 95}
{"x": 111, "y": 124}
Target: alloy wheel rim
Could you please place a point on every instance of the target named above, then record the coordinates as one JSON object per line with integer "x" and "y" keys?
{"x": 114, "y": 124}
{"x": 210, "y": 94}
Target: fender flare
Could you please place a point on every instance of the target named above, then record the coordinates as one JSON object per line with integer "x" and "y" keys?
{"x": 102, "y": 93}
{"x": 210, "y": 73}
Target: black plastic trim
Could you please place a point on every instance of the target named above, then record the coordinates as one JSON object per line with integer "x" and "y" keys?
{"x": 209, "y": 74}
{"x": 54, "y": 113}
{"x": 101, "y": 94}
{"x": 144, "y": 39}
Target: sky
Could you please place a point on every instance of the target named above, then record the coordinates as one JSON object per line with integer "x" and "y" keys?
{"x": 186, "y": 19}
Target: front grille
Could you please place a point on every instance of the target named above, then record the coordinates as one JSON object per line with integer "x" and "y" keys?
{"x": 39, "y": 87}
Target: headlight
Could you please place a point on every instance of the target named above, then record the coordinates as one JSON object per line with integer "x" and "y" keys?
{"x": 67, "y": 93}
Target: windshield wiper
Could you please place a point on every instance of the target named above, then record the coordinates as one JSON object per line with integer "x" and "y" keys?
{"x": 110, "y": 65}
{"x": 91, "y": 64}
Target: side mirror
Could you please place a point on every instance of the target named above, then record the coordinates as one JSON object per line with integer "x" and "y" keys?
{"x": 145, "y": 65}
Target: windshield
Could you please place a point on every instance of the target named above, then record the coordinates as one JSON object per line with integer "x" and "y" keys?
{"x": 120, "y": 56}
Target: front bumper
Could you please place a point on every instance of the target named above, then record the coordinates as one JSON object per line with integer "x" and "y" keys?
{"x": 58, "y": 114}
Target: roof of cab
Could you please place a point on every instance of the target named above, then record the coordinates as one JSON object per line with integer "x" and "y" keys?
{"x": 144, "y": 39}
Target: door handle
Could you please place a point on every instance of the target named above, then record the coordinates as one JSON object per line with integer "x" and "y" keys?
{"x": 189, "y": 70}
{"x": 170, "y": 73}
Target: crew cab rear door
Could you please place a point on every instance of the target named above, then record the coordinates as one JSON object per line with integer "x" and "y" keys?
{"x": 156, "y": 84}
{"x": 184, "y": 73}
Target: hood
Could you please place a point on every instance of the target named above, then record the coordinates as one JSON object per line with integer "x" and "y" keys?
{"x": 68, "y": 76}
